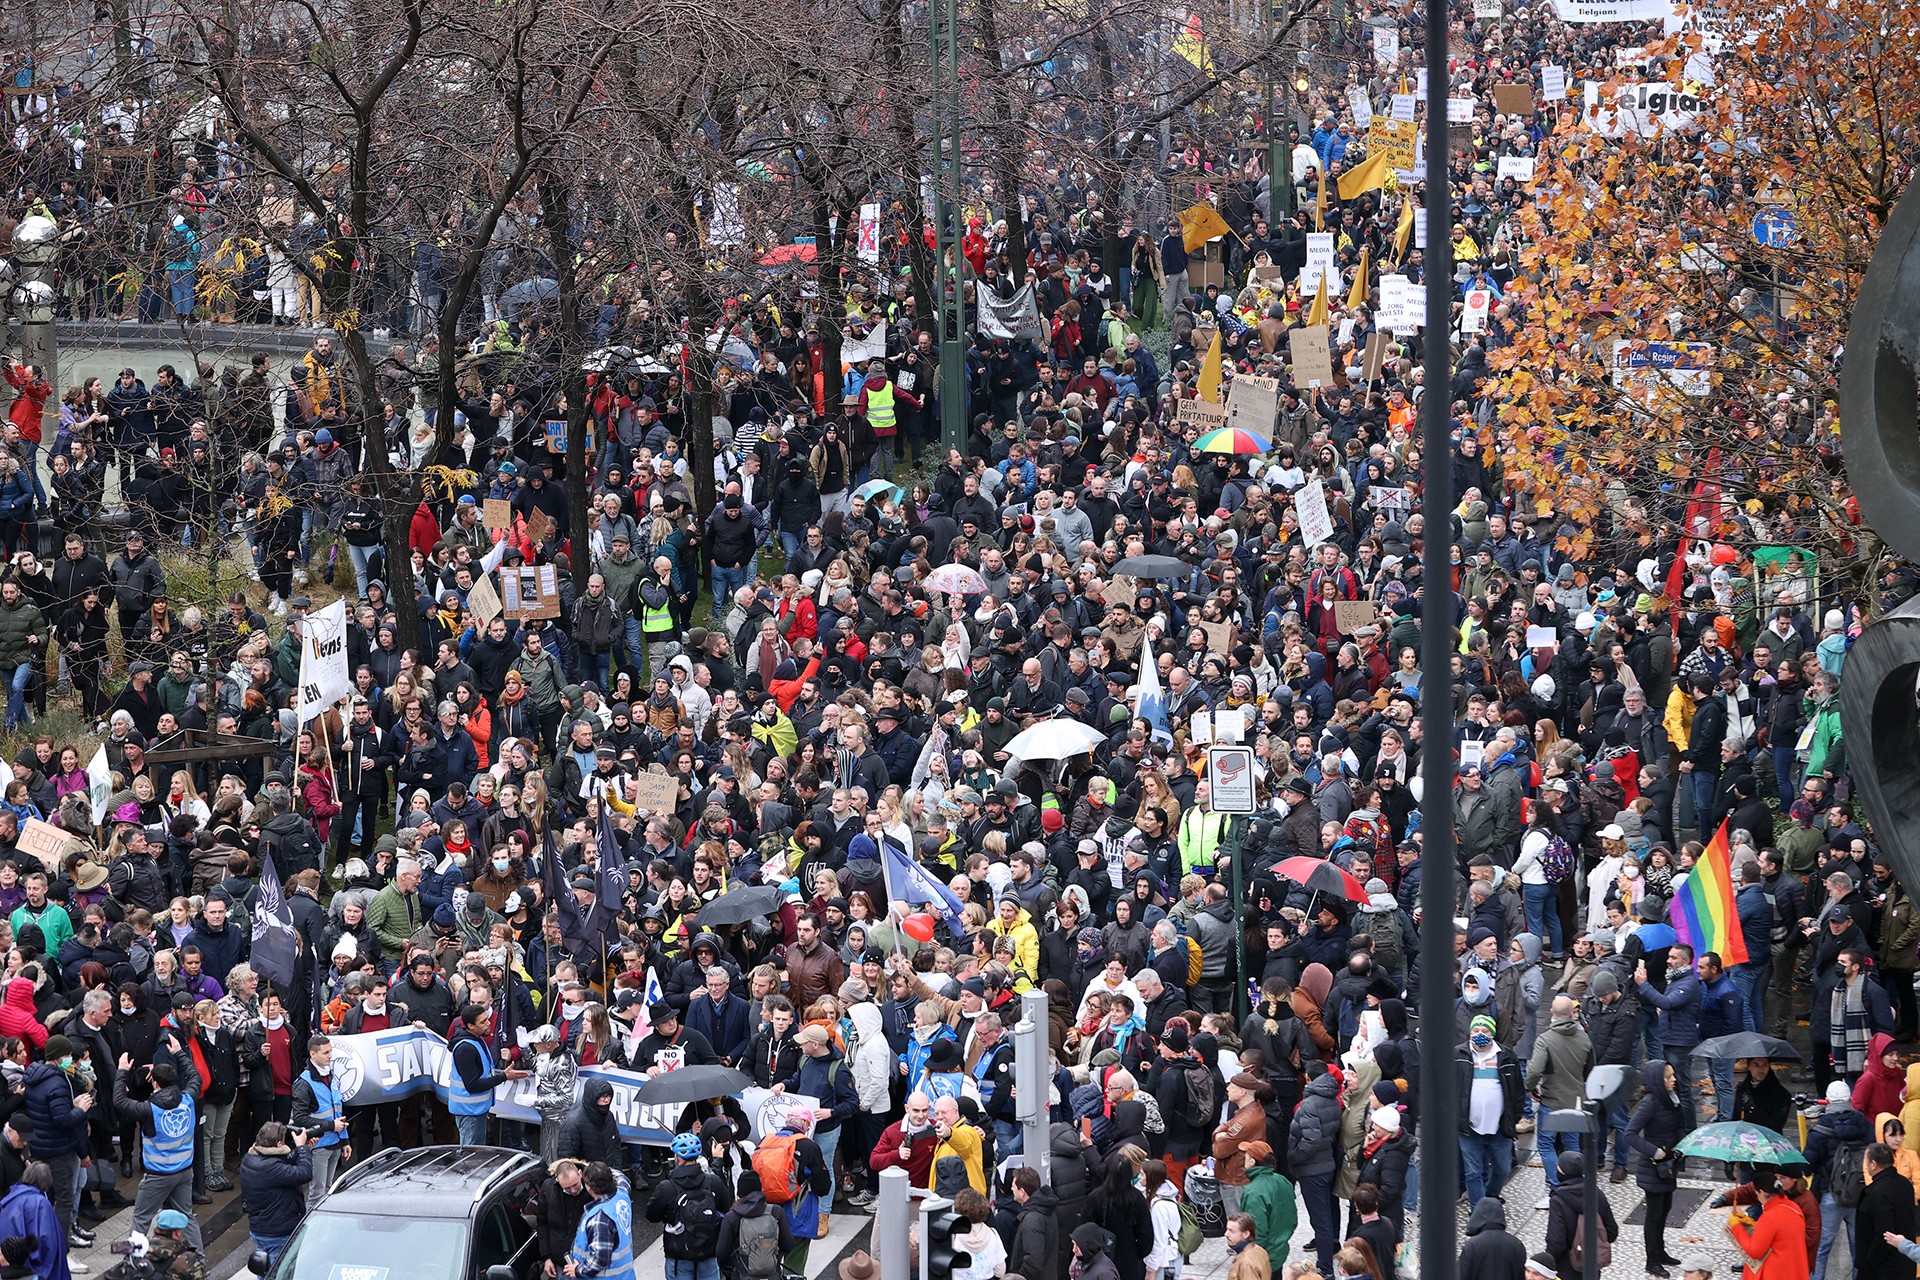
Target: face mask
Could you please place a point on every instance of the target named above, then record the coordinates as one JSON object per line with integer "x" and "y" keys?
{"x": 572, "y": 1011}
{"x": 66, "y": 1063}
{"x": 126, "y": 1009}
{"x": 1483, "y": 1041}
{"x": 500, "y": 864}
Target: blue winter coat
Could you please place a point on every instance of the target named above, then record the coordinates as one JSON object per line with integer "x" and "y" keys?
{"x": 27, "y": 1212}
{"x": 59, "y": 1128}
{"x": 829, "y": 1079}
{"x": 1679, "y": 1007}
{"x": 726, "y": 1026}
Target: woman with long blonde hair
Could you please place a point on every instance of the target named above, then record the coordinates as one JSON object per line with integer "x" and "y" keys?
{"x": 184, "y": 798}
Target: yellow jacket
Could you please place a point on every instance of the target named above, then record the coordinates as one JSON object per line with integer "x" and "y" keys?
{"x": 1679, "y": 718}
{"x": 964, "y": 1142}
{"x": 1026, "y": 942}
{"x": 1910, "y": 1113}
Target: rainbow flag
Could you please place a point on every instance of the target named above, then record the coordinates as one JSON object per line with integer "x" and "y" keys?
{"x": 1702, "y": 912}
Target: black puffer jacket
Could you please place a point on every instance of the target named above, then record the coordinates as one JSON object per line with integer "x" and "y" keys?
{"x": 1072, "y": 1179}
{"x": 590, "y": 1132}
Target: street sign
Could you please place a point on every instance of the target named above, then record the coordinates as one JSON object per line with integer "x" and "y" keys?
{"x": 1230, "y": 779}
{"x": 1775, "y": 228}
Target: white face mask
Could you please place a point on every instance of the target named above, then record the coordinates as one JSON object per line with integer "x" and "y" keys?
{"x": 572, "y": 1011}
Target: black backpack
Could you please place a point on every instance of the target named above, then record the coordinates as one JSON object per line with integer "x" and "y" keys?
{"x": 694, "y": 1232}
{"x": 1200, "y": 1110}
{"x": 1846, "y": 1174}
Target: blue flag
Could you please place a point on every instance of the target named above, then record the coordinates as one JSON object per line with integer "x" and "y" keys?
{"x": 276, "y": 944}
{"x": 1153, "y": 701}
{"x": 913, "y": 883}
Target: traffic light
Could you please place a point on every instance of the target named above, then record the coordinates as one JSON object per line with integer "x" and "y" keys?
{"x": 940, "y": 1227}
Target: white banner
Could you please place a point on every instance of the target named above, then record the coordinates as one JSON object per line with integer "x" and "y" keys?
{"x": 1016, "y": 318}
{"x": 385, "y": 1066}
{"x": 1386, "y": 45}
{"x": 1576, "y": 11}
{"x": 1361, "y": 108}
{"x": 324, "y": 675}
{"x": 1642, "y": 110}
{"x": 870, "y": 233}
{"x": 1316, "y": 523}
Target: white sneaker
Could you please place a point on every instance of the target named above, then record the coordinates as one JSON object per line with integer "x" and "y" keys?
{"x": 300, "y": 578}
{"x": 78, "y": 1267}
{"x": 1543, "y": 1202}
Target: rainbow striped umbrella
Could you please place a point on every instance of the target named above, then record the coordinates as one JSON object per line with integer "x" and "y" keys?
{"x": 1232, "y": 440}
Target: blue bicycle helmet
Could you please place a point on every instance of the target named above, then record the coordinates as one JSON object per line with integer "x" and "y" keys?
{"x": 687, "y": 1146}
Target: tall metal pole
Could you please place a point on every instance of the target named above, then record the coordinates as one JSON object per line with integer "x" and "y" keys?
{"x": 1032, "y": 1073}
{"x": 890, "y": 1223}
{"x": 943, "y": 21}
{"x": 1279, "y": 154}
{"x": 1439, "y": 1117}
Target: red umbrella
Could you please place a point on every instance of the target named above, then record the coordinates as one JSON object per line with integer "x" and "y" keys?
{"x": 1322, "y": 876}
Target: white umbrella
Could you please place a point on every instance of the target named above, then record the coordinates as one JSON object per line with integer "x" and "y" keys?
{"x": 1054, "y": 739}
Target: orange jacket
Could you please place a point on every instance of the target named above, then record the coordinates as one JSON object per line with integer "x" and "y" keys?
{"x": 1775, "y": 1244}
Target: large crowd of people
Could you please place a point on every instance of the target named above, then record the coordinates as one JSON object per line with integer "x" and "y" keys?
{"x": 831, "y": 671}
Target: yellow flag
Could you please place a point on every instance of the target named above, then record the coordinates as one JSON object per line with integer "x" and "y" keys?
{"x": 1403, "y": 234}
{"x": 1317, "y": 313}
{"x": 1201, "y": 224}
{"x": 1370, "y": 176}
{"x": 1209, "y": 384}
{"x": 1357, "y": 297}
{"x": 1320, "y": 204}
{"x": 1191, "y": 44}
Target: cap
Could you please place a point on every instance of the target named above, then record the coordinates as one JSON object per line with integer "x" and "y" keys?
{"x": 812, "y": 1034}
{"x": 170, "y": 1220}
{"x": 1696, "y": 1262}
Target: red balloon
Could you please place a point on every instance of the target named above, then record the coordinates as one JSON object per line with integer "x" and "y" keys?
{"x": 919, "y": 927}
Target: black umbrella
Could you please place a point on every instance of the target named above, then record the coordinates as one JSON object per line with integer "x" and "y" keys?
{"x": 692, "y": 1084}
{"x": 737, "y": 906}
{"x": 1152, "y": 567}
{"x": 1747, "y": 1044}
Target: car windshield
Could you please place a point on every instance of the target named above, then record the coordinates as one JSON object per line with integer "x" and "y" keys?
{"x": 339, "y": 1246}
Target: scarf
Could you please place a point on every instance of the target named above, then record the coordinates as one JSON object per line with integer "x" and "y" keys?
{"x": 1849, "y": 1029}
{"x": 513, "y": 694}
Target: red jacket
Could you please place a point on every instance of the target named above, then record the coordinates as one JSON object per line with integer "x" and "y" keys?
{"x": 30, "y": 402}
{"x": 919, "y": 1167}
{"x": 422, "y": 535}
{"x": 17, "y": 1016}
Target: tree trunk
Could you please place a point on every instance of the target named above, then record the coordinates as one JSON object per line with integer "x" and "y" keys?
{"x": 556, "y": 215}
{"x": 1009, "y": 144}
{"x": 906, "y": 139}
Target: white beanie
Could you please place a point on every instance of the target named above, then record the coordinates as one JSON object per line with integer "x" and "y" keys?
{"x": 1839, "y": 1091}
{"x": 1835, "y": 620}
{"x": 1387, "y": 1118}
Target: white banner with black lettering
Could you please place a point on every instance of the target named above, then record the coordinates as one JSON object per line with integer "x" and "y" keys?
{"x": 385, "y": 1066}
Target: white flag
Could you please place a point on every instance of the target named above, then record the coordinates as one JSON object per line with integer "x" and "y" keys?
{"x": 324, "y": 676}
{"x": 99, "y": 784}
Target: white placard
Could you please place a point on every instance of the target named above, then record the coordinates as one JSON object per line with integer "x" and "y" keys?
{"x": 1316, "y": 522}
{"x": 1459, "y": 110}
{"x": 870, "y": 233}
{"x": 1319, "y": 263}
{"x": 1386, "y": 45}
{"x": 1553, "y": 83}
{"x": 1420, "y": 87}
{"x": 1486, "y": 8}
{"x": 1403, "y": 304}
{"x": 1542, "y": 637}
{"x": 1476, "y": 305}
{"x": 1419, "y": 228}
{"x": 1519, "y": 168}
{"x": 1361, "y": 108}
{"x": 1402, "y": 108}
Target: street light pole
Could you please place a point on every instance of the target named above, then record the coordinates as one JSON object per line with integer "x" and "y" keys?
{"x": 1279, "y": 154}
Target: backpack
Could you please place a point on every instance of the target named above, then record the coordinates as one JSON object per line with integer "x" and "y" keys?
{"x": 1556, "y": 861}
{"x": 695, "y": 1228}
{"x": 1194, "y": 961}
{"x": 1199, "y": 1110}
{"x": 1577, "y": 1252}
{"x": 1384, "y": 927}
{"x": 759, "y": 1251}
{"x": 778, "y": 1164}
{"x": 1191, "y": 1237}
{"x": 1846, "y": 1175}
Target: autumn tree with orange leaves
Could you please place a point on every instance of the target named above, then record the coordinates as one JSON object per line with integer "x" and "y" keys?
{"x": 1810, "y": 123}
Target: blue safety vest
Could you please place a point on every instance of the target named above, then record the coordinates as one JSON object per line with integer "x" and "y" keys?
{"x": 169, "y": 1148}
{"x": 326, "y": 1109}
{"x": 461, "y": 1100}
{"x": 619, "y": 1208}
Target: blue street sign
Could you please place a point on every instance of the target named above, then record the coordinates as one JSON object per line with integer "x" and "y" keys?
{"x": 1775, "y": 228}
